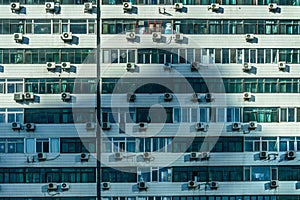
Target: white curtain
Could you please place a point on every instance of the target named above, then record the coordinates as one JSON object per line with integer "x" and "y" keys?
{"x": 30, "y": 145}
{"x": 54, "y": 145}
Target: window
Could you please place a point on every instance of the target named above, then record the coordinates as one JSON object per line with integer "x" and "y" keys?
{"x": 41, "y": 56}
{"x": 287, "y": 143}
{"x": 233, "y": 115}
{"x": 44, "y": 175}
{"x": 260, "y": 114}
{"x": 165, "y": 174}
{"x": 113, "y": 56}
{"x": 74, "y": 145}
{"x": 52, "y": 116}
{"x": 155, "y": 115}
{"x": 298, "y": 143}
{"x": 12, "y": 145}
{"x": 14, "y": 115}
{"x": 125, "y": 174}
{"x": 204, "y": 174}
{"x": 288, "y": 85}
{"x": 9, "y": 115}
{"x": 14, "y": 85}
{"x": 289, "y": 27}
{"x": 289, "y": 55}
{"x": 200, "y": 114}
{"x": 42, "y": 26}
{"x": 181, "y": 144}
{"x": 2, "y": 86}
{"x": 144, "y": 144}
{"x": 260, "y": 173}
{"x": 288, "y": 173}
{"x": 119, "y": 145}
{"x": 220, "y": 114}
{"x": 226, "y": 144}
{"x": 10, "y": 26}
{"x": 261, "y": 144}
{"x": 287, "y": 114}
{"x": 78, "y": 26}
{"x": 270, "y": 86}
{"x": 42, "y": 145}
{"x": 215, "y": 27}
{"x": 144, "y": 174}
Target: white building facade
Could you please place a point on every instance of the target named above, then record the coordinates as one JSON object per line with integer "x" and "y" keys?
{"x": 198, "y": 100}
{"x": 47, "y": 105}
{"x": 201, "y": 98}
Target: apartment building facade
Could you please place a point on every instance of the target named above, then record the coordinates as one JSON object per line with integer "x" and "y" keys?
{"x": 201, "y": 99}
{"x": 197, "y": 100}
{"x": 48, "y": 90}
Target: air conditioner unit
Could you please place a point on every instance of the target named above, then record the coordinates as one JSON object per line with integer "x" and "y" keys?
{"x": 18, "y": 37}
{"x": 84, "y": 156}
{"x": 247, "y": 95}
{"x": 130, "y": 35}
{"x": 90, "y": 126}
{"x": 249, "y": 37}
{"x": 236, "y": 126}
{"x": 65, "y": 65}
{"x": 290, "y": 155}
{"x": 29, "y": 96}
{"x": 41, "y": 156}
{"x": 192, "y": 184}
{"x": 64, "y": 186}
{"x": 142, "y": 185}
{"x": 52, "y": 186}
{"x": 118, "y": 156}
{"x": 18, "y": 96}
{"x": 178, "y": 37}
{"x": 272, "y": 6}
{"x": 194, "y": 155}
{"x": 214, "y": 6}
{"x": 105, "y": 185}
{"x": 131, "y": 97}
{"x": 143, "y": 126}
{"x": 127, "y": 5}
{"x": 200, "y": 126}
{"x": 263, "y": 155}
{"x": 205, "y": 155}
{"x": 106, "y": 126}
{"x": 246, "y": 66}
{"x": 30, "y": 159}
{"x": 196, "y": 97}
{"x": 147, "y": 156}
{"x": 168, "y": 66}
{"x": 65, "y": 96}
{"x": 16, "y": 126}
{"x": 252, "y": 125}
{"x": 168, "y": 96}
{"x": 88, "y": 6}
{"x": 274, "y": 184}
{"x": 66, "y": 36}
{"x": 156, "y": 35}
{"x": 50, "y": 65}
{"x": 178, "y": 6}
{"x": 130, "y": 66}
{"x": 30, "y": 126}
{"x": 15, "y": 6}
{"x": 208, "y": 97}
{"x": 281, "y": 65}
{"x": 213, "y": 185}
{"x": 49, "y": 6}
{"x": 161, "y": 10}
